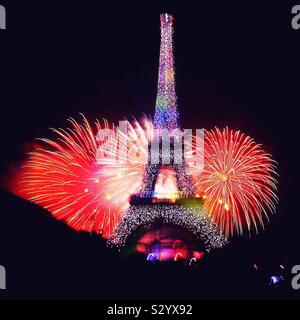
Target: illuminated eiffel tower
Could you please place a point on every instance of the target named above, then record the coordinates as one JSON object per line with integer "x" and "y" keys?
{"x": 147, "y": 208}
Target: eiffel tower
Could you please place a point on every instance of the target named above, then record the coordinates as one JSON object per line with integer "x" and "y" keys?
{"x": 186, "y": 210}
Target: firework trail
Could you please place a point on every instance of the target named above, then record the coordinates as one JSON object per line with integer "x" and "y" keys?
{"x": 237, "y": 182}
{"x": 85, "y": 176}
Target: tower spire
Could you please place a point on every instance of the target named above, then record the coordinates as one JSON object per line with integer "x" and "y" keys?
{"x": 166, "y": 114}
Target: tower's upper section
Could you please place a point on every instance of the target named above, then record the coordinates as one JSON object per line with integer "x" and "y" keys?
{"x": 166, "y": 114}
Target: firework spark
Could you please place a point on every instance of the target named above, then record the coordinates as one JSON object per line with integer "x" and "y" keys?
{"x": 237, "y": 182}
{"x": 85, "y": 176}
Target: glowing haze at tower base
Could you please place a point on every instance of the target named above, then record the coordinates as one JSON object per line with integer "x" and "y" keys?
{"x": 99, "y": 178}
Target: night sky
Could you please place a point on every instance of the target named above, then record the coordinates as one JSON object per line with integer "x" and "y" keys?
{"x": 236, "y": 65}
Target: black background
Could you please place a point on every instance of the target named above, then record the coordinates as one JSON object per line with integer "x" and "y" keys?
{"x": 237, "y": 64}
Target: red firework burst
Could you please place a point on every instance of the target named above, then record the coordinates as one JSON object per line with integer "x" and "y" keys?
{"x": 82, "y": 180}
{"x": 237, "y": 182}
